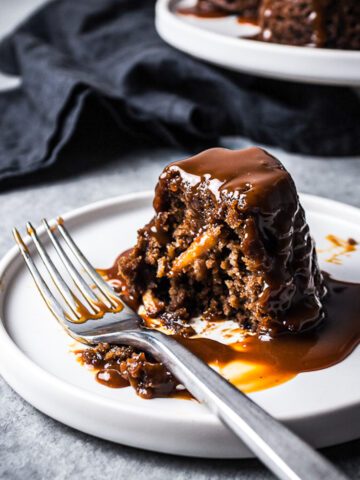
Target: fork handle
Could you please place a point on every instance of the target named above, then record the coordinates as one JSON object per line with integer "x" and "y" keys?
{"x": 284, "y": 453}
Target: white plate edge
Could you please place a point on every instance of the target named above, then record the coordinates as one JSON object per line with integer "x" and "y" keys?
{"x": 9, "y": 346}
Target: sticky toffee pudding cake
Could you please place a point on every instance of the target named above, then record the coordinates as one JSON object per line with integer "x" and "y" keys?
{"x": 229, "y": 240}
{"x": 229, "y": 243}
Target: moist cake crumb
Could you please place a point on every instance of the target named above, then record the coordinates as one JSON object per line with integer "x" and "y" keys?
{"x": 229, "y": 240}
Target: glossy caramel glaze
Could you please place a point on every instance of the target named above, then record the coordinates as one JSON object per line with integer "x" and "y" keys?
{"x": 252, "y": 185}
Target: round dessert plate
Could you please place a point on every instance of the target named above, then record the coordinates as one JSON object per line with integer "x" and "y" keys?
{"x": 37, "y": 359}
{"x": 218, "y": 41}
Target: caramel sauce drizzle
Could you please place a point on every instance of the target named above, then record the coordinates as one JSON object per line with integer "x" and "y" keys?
{"x": 102, "y": 309}
{"x": 339, "y": 247}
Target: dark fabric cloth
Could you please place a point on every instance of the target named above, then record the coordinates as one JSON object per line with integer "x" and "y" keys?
{"x": 96, "y": 72}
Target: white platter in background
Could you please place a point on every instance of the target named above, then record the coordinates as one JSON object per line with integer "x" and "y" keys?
{"x": 218, "y": 41}
{"x": 323, "y": 406}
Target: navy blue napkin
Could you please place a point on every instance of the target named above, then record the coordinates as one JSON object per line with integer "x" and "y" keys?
{"x": 96, "y": 78}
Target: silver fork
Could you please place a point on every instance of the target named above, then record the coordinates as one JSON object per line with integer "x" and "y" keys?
{"x": 108, "y": 320}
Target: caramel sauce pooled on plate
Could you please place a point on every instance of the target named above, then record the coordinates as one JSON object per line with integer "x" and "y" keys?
{"x": 247, "y": 21}
{"x": 339, "y": 247}
{"x": 258, "y": 362}
{"x": 111, "y": 378}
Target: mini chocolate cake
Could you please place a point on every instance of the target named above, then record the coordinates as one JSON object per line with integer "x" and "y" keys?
{"x": 229, "y": 240}
{"x": 317, "y": 23}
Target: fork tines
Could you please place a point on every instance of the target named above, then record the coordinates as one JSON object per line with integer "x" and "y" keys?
{"x": 96, "y": 299}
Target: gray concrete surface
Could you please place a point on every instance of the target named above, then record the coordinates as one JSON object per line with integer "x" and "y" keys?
{"x": 33, "y": 446}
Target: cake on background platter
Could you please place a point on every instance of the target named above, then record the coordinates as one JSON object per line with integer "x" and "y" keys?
{"x": 312, "y": 23}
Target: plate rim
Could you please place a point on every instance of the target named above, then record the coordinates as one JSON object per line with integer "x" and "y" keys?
{"x": 8, "y": 346}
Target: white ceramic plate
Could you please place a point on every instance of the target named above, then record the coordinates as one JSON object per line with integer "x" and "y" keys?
{"x": 217, "y": 41}
{"x": 322, "y": 406}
